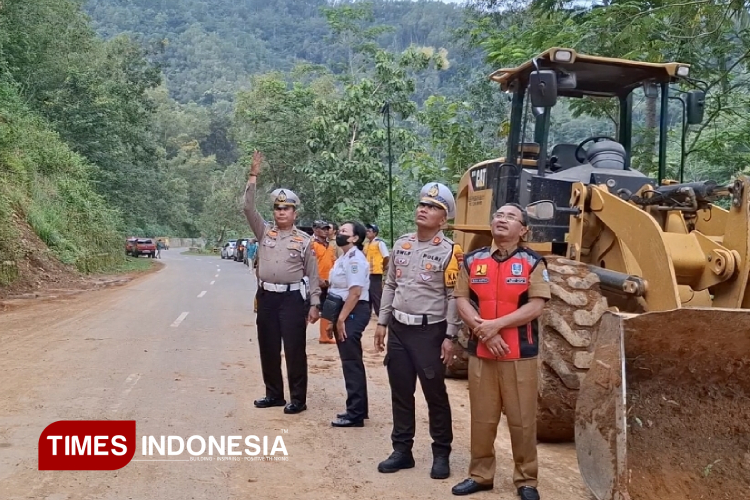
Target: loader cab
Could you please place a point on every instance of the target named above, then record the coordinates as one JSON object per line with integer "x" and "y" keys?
{"x": 543, "y": 161}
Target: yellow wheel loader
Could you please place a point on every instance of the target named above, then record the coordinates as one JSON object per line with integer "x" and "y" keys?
{"x": 645, "y": 345}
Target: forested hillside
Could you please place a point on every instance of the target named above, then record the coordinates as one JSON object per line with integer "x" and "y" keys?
{"x": 219, "y": 59}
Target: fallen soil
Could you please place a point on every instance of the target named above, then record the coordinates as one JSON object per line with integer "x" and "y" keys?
{"x": 689, "y": 408}
{"x": 42, "y": 276}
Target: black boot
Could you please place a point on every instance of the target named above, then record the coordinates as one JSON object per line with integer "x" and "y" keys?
{"x": 396, "y": 462}
{"x": 441, "y": 468}
{"x": 266, "y": 402}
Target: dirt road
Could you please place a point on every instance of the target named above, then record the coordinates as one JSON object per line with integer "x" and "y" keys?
{"x": 183, "y": 362}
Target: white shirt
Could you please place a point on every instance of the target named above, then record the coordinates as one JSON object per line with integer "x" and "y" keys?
{"x": 351, "y": 269}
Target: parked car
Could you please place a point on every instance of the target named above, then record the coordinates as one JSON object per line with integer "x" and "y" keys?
{"x": 239, "y": 254}
{"x": 144, "y": 246}
{"x": 130, "y": 246}
{"x": 227, "y": 251}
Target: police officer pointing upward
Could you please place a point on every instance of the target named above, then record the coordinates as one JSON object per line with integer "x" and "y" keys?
{"x": 284, "y": 258}
{"x": 420, "y": 313}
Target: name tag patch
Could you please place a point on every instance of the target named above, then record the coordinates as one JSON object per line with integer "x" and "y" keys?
{"x": 515, "y": 281}
{"x": 480, "y": 281}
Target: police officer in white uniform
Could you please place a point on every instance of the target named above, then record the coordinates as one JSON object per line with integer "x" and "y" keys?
{"x": 350, "y": 280}
{"x": 420, "y": 314}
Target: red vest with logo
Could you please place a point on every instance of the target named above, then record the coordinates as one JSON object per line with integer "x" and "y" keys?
{"x": 500, "y": 288}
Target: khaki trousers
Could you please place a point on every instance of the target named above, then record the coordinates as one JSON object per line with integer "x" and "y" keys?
{"x": 510, "y": 387}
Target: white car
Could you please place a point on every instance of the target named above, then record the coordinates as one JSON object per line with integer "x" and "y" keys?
{"x": 227, "y": 251}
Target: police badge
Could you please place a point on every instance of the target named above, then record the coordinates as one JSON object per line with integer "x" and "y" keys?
{"x": 516, "y": 269}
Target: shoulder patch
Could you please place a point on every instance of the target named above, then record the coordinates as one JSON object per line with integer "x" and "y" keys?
{"x": 354, "y": 268}
{"x": 545, "y": 275}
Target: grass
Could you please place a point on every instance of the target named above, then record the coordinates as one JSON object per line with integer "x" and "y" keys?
{"x": 131, "y": 264}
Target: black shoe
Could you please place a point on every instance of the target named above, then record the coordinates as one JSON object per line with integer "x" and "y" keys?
{"x": 346, "y": 422}
{"x": 441, "y": 468}
{"x": 346, "y": 415}
{"x": 528, "y": 493}
{"x": 396, "y": 462}
{"x": 295, "y": 407}
{"x": 469, "y": 486}
{"x": 267, "y": 402}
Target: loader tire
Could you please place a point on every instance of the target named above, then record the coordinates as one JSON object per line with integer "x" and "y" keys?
{"x": 459, "y": 367}
{"x": 567, "y": 327}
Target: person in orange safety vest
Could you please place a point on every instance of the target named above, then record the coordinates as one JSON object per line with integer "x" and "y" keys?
{"x": 326, "y": 256}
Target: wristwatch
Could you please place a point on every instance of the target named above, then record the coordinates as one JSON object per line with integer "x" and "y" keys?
{"x": 318, "y": 307}
{"x": 453, "y": 338}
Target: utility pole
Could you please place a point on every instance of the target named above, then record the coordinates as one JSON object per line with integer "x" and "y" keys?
{"x": 387, "y": 111}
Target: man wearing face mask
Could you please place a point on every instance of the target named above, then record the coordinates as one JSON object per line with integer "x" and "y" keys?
{"x": 284, "y": 258}
{"x": 419, "y": 311}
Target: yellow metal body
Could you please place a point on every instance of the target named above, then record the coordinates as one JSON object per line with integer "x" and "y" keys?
{"x": 688, "y": 259}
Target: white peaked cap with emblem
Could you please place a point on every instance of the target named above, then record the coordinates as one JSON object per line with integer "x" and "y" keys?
{"x": 439, "y": 195}
{"x": 284, "y": 198}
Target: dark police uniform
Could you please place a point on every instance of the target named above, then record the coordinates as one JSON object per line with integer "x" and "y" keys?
{"x": 419, "y": 309}
{"x": 284, "y": 259}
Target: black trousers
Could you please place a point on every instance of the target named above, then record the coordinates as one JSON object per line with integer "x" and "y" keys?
{"x": 282, "y": 317}
{"x": 376, "y": 290}
{"x": 414, "y": 352}
{"x": 350, "y": 351}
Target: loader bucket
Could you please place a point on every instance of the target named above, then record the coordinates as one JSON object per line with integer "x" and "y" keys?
{"x": 664, "y": 411}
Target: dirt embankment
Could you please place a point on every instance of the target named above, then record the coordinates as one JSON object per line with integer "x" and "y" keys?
{"x": 38, "y": 274}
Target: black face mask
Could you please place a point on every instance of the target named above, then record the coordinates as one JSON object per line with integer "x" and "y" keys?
{"x": 342, "y": 240}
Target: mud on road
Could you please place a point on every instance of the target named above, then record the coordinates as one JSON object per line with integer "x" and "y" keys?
{"x": 77, "y": 359}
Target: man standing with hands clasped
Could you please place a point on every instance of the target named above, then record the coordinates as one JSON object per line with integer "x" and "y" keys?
{"x": 420, "y": 313}
{"x": 284, "y": 258}
{"x": 510, "y": 285}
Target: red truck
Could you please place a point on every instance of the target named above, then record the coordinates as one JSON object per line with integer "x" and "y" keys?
{"x": 140, "y": 246}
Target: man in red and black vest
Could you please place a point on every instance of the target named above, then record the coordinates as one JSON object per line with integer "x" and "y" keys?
{"x": 509, "y": 286}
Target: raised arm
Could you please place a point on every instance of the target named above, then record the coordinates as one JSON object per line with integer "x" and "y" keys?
{"x": 257, "y": 224}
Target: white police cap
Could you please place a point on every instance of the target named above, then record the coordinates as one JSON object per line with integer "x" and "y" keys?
{"x": 284, "y": 198}
{"x": 439, "y": 195}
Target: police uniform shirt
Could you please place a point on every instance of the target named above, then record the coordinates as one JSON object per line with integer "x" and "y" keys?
{"x": 284, "y": 257}
{"x": 352, "y": 269}
{"x": 420, "y": 280}
{"x": 538, "y": 280}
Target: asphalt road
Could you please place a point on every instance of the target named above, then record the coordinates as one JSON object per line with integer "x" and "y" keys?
{"x": 177, "y": 352}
